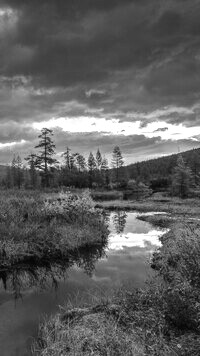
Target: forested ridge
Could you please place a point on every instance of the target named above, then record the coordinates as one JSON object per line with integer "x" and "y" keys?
{"x": 163, "y": 167}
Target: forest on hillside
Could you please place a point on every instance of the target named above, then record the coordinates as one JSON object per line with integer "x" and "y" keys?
{"x": 42, "y": 170}
{"x": 158, "y": 173}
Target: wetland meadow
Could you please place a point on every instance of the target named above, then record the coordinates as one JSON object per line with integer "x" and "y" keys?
{"x": 80, "y": 277}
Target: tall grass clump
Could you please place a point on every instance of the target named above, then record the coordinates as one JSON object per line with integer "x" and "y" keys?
{"x": 90, "y": 334}
{"x": 34, "y": 227}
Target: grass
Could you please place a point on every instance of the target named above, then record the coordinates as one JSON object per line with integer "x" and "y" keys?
{"x": 92, "y": 333}
{"x": 162, "y": 320}
{"x": 35, "y": 227}
{"x": 160, "y": 220}
{"x": 174, "y": 206}
{"x": 107, "y": 195}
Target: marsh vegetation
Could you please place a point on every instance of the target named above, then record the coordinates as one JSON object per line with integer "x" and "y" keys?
{"x": 43, "y": 235}
{"x": 161, "y": 319}
{"x": 38, "y": 228}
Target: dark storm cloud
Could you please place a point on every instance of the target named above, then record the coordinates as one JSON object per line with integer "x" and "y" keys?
{"x": 68, "y": 42}
{"x": 69, "y": 8}
{"x": 102, "y": 58}
{"x": 15, "y": 132}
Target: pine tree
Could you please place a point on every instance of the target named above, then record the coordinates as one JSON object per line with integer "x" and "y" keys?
{"x": 91, "y": 162}
{"x": 195, "y": 165}
{"x": 17, "y": 171}
{"x": 32, "y": 162}
{"x": 182, "y": 179}
{"x": 91, "y": 167}
{"x": 117, "y": 161}
{"x": 44, "y": 158}
{"x": 67, "y": 157}
{"x": 98, "y": 159}
{"x": 105, "y": 171}
{"x": 104, "y": 165}
{"x": 80, "y": 162}
{"x": 73, "y": 161}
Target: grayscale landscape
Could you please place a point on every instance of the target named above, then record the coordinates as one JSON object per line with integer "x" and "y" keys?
{"x": 99, "y": 178}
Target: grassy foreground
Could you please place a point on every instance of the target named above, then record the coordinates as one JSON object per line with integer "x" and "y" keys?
{"x": 162, "y": 320}
{"x": 35, "y": 227}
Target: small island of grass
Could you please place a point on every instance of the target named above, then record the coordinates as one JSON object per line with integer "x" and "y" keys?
{"x": 38, "y": 228}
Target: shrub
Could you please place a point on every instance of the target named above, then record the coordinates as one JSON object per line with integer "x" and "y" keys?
{"x": 69, "y": 206}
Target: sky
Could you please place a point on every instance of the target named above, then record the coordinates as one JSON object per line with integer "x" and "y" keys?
{"x": 100, "y": 73}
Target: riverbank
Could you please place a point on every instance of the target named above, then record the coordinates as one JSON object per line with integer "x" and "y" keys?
{"x": 161, "y": 320}
{"x": 156, "y": 203}
{"x": 36, "y": 228}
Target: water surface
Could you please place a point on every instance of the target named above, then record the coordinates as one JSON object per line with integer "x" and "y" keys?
{"x": 29, "y": 293}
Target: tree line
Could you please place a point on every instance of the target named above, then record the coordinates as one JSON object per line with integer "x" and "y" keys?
{"x": 44, "y": 170}
{"x": 173, "y": 173}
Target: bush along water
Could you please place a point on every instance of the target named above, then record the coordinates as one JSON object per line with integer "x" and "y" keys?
{"x": 166, "y": 314}
{"x": 33, "y": 228}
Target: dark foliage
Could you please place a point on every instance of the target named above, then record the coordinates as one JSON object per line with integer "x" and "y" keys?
{"x": 158, "y": 172}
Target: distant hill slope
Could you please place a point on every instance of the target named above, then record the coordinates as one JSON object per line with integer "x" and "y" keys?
{"x": 163, "y": 167}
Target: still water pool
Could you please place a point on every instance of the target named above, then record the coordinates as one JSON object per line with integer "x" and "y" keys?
{"x": 29, "y": 293}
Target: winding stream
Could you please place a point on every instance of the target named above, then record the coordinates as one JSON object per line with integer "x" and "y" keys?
{"x": 29, "y": 293}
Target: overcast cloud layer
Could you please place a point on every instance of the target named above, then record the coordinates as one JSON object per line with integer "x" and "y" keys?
{"x": 100, "y": 73}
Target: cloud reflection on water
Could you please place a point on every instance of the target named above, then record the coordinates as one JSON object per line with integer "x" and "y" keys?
{"x": 127, "y": 231}
{"x": 119, "y": 241}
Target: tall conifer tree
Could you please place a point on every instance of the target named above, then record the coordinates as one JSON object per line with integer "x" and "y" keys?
{"x": 32, "y": 162}
{"x": 91, "y": 167}
{"x": 117, "y": 161}
{"x": 98, "y": 159}
{"x": 182, "y": 179}
{"x": 45, "y": 157}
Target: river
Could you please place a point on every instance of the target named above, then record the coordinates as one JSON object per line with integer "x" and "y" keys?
{"x": 30, "y": 293}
